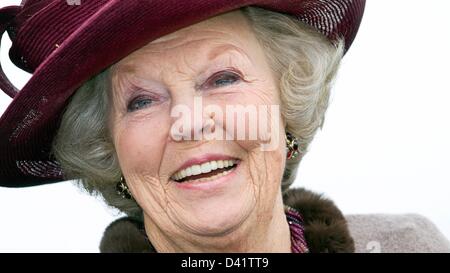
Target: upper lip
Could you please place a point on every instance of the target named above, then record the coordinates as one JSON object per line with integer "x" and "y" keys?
{"x": 198, "y": 160}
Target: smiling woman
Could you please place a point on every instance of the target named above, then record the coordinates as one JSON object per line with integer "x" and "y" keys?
{"x": 168, "y": 118}
{"x": 182, "y": 186}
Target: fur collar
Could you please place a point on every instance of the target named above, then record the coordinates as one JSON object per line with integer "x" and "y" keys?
{"x": 325, "y": 227}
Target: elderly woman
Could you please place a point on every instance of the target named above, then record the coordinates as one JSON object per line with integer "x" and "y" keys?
{"x": 190, "y": 117}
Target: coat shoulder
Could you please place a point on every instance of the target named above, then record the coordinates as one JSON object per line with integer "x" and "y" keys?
{"x": 396, "y": 233}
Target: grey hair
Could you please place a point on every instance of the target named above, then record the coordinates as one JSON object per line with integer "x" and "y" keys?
{"x": 83, "y": 144}
{"x": 304, "y": 61}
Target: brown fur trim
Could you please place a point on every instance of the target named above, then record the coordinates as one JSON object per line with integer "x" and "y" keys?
{"x": 325, "y": 227}
{"x": 125, "y": 235}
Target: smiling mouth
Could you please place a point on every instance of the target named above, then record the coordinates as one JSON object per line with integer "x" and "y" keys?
{"x": 207, "y": 171}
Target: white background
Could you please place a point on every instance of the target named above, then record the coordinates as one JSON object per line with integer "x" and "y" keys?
{"x": 384, "y": 148}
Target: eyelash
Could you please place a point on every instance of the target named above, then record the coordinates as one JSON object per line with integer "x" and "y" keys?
{"x": 219, "y": 76}
{"x": 214, "y": 78}
{"x": 131, "y": 106}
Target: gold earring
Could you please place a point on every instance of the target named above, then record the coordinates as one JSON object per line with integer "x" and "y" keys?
{"x": 122, "y": 189}
{"x": 292, "y": 146}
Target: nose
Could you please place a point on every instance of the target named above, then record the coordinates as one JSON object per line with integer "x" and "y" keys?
{"x": 188, "y": 120}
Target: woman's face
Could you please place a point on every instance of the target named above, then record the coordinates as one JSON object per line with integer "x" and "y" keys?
{"x": 220, "y": 62}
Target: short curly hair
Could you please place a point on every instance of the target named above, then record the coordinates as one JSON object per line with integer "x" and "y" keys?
{"x": 304, "y": 61}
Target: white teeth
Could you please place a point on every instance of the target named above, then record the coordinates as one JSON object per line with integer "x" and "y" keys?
{"x": 220, "y": 164}
{"x": 213, "y": 165}
{"x": 196, "y": 169}
{"x": 188, "y": 172}
{"x": 213, "y": 177}
{"x": 204, "y": 168}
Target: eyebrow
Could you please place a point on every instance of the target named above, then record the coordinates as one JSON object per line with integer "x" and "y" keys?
{"x": 223, "y": 49}
{"x": 213, "y": 54}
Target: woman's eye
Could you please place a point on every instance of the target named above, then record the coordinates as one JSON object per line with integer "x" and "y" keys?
{"x": 139, "y": 103}
{"x": 223, "y": 79}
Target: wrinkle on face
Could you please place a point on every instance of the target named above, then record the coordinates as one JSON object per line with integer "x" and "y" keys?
{"x": 175, "y": 66}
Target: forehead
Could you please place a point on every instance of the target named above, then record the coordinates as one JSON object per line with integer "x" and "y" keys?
{"x": 229, "y": 32}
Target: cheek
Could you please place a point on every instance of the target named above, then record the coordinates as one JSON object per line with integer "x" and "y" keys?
{"x": 262, "y": 126}
{"x": 265, "y": 153}
{"x": 139, "y": 145}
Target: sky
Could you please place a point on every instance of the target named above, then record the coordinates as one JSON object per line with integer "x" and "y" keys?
{"x": 384, "y": 147}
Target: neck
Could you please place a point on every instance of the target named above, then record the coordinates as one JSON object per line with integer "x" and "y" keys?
{"x": 267, "y": 231}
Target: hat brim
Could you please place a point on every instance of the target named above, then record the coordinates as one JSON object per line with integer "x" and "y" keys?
{"x": 28, "y": 125}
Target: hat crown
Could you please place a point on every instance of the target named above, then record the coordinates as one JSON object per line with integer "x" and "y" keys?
{"x": 36, "y": 32}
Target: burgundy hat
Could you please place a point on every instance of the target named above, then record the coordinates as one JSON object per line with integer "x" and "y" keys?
{"x": 66, "y": 42}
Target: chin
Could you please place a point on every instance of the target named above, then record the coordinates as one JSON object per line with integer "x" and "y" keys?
{"x": 219, "y": 217}
{"x": 218, "y": 206}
